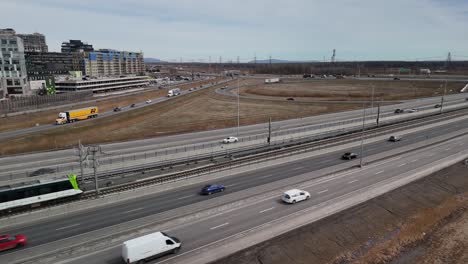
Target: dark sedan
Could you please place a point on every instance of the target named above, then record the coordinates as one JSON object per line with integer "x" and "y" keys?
{"x": 212, "y": 188}
{"x": 349, "y": 156}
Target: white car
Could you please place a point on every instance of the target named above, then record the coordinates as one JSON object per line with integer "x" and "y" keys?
{"x": 230, "y": 140}
{"x": 413, "y": 110}
{"x": 191, "y": 89}
{"x": 295, "y": 195}
{"x": 148, "y": 101}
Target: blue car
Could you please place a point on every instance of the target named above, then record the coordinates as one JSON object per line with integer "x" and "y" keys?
{"x": 212, "y": 188}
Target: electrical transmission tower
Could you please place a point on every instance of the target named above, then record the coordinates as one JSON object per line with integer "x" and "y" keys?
{"x": 449, "y": 60}
{"x": 333, "y": 56}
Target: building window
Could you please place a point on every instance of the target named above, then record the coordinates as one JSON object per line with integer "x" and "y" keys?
{"x": 17, "y": 82}
{"x": 4, "y": 41}
{"x": 9, "y": 82}
{"x": 13, "y": 42}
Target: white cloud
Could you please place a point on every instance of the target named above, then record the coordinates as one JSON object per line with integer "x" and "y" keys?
{"x": 291, "y": 29}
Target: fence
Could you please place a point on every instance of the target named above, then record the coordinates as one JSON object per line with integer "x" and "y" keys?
{"x": 32, "y": 102}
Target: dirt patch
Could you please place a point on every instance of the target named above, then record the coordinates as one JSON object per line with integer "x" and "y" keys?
{"x": 423, "y": 222}
{"x": 348, "y": 90}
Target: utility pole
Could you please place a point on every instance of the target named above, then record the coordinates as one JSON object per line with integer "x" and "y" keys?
{"x": 362, "y": 134}
{"x": 378, "y": 114}
{"x": 82, "y": 157}
{"x": 442, "y": 99}
{"x": 238, "y": 108}
{"x": 269, "y": 132}
{"x": 93, "y": 151}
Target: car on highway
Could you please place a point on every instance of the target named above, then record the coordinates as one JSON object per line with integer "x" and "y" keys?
{"x": 132, "y": 105}
{"x": 9, "y": 241}
{"x": 349, "y": 155}
{"x": 117, "y": 109}
{"x": 191, "y": 89}
{"x": 394, "y": 138}
{"x": 399, "y": 111}
{"x": 396, "y": 79}
{"x": 290, "y": 99}
{"x": 230, "y": 140}
{"x": 148, "y": 101}
{"x": 295, "y": 195}
{"x": 412, "y": 110}
{"x": 437, "y": 106}
{"x": 212, "y": 188}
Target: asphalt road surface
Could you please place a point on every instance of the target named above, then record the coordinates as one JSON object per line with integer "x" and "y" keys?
{"x": 86, "y": 221}
{"x": 20, "y": 164}
{"x": 199, "y": 234}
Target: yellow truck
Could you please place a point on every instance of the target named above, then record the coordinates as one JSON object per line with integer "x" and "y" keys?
{"x": 76, "y": 115}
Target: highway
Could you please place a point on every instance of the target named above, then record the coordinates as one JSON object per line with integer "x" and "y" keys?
{"x": 198, "y": 235}
{"x": 25, "y": 131}
{"x": 82, "y": 222}
{"x": 22, "y": 165}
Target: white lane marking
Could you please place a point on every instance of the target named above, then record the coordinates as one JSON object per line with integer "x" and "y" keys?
{"x": 218, "y": 226}
{"x": 298, "y": 168}
{"x": 401, "y": 165}
{"x": 448, "y": 148}
{"x": 184, "y": 197}
{"x": 352, "y": 181}
{"x": 378, "y": 172}
{"x": 133, "y": 210}
{"x": 271, "y": 208}
{"x": 323, "y": 191}
{"x": 430, "y": 155}
{"x": 65, "y": 227}
{"x": 230, "y": 185}
{"x": 462, "y": 143}
{"x": 266, "y": 176}
{"x": 414, "y": 160}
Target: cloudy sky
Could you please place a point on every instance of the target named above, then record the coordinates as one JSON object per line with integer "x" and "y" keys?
{"x": 283, "y": 29}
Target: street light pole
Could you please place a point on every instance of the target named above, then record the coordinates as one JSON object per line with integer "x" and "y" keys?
{"x": 362, "y": 134}
{"x": 238, "y": 108}
{"x": 442, "y": 99}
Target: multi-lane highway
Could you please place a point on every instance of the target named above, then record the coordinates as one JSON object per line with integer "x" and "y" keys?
{"x": 57, "y": 228}
{"x": 23, "y": 165}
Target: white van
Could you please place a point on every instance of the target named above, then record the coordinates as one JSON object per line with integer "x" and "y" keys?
{"x": 295, "y": 195}
{"x": 173, "y": 92}
{"x": 154, "y": 245}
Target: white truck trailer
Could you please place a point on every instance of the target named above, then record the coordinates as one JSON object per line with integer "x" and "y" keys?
{"x": 272, "y": 80}
{"x": 150, "y": 246}
{"x": 173, "y": 92}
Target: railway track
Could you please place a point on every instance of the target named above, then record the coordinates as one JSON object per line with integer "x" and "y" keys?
{"x": 268, "y": 152}
{"x": 277, "y": 151}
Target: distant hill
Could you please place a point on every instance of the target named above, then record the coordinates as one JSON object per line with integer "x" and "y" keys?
{"x": 279, "y": 61}
{"x": 152, "y": 60}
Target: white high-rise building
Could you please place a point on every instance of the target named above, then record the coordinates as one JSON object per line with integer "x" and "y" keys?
{"x": 13, "y": 76}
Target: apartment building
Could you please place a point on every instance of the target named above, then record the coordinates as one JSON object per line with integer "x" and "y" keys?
{"x": 13, "y": 75}
{"x": 107, "y": 62}
{"x": 35, "y": 42}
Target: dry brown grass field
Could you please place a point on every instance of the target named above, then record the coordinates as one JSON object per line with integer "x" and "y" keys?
{"x": 204, "y": 110}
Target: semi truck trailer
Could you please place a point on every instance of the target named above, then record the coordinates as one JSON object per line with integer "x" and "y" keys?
{"x": 76, "y": 115}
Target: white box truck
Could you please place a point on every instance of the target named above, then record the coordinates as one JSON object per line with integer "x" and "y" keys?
{"x": 272, "y": 80}
{"x": 141, "y": 249}
{"x": 173, "y": 92}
